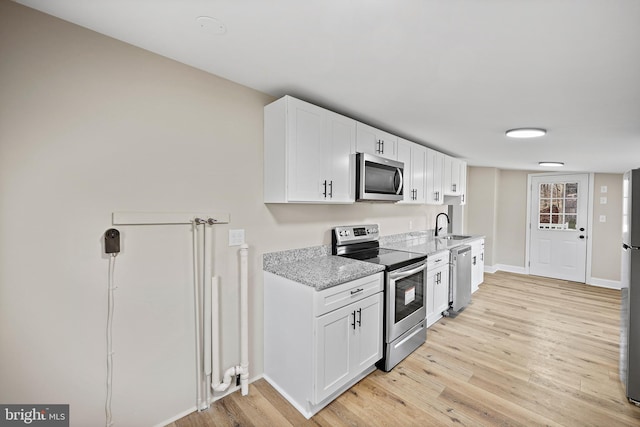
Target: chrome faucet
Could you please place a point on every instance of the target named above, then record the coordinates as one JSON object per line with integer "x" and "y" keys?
{"x": 438, "y": 217}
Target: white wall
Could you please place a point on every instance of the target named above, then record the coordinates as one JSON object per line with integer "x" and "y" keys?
{"x": 89, "y": 126}
{"x": 510, "y": 204}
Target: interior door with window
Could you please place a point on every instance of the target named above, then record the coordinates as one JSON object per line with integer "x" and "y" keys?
{"x": 558, "y": 237}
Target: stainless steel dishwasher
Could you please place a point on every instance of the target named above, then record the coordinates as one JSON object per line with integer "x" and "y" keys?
{"x": 459, "y": 278}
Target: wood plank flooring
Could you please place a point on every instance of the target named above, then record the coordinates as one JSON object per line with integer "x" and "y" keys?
{"x": 527, "y": 351}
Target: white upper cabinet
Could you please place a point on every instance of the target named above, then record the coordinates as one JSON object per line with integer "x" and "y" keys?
{"x": 307, "y": 154}
{"x": 375, "y": 141}
{"x": 414, "y": 157}
{"x": 434, "y": 175}
{"x": 455, "y": 178}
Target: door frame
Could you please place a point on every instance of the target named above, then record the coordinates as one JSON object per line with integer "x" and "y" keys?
{"x": 591, "y": 189}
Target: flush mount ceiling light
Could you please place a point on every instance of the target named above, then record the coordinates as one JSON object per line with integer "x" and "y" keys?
{"x": 525, "y": 132}
{"x": 551, "y": 164}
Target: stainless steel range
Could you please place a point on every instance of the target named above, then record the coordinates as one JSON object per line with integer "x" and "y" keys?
{"x": 405, "y": 328}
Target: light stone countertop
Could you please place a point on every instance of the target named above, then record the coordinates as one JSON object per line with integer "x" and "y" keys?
{"x": 423, "y": 242}
{"x": 316, "y": 267}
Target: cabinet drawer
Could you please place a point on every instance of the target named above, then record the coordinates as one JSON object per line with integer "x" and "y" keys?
{"x": 437, "y": 260}
{"x": 338, "y": 296}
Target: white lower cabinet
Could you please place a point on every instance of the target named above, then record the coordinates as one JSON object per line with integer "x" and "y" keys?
{"x": 477, "y": 264}
{"x": 319, "y": 343}
{"x": 437, "y": 286}
{"x": 349, "y": 340}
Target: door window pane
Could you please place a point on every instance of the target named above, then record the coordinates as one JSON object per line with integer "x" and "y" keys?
{"x": 545, "y": 191}
{"x": 558, "y": 206}
{"x": 572, "y": 190}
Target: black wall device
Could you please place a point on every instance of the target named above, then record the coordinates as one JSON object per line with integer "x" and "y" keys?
{"x": 112, "y": 241}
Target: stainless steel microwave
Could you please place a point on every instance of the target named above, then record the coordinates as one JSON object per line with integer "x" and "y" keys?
{"x": 378, "y": 179}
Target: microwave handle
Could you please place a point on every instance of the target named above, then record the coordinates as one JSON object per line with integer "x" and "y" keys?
{"x": 399, "y": 172}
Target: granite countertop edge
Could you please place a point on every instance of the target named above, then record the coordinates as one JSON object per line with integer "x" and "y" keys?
{"x": 316, "y": 267}
{"x": 324, "y": 272}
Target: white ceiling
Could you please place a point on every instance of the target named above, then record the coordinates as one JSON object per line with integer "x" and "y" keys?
{"x": 450, "y": 74}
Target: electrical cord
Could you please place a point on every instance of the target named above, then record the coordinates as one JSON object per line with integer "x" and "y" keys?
{"x": 112, "y": 288}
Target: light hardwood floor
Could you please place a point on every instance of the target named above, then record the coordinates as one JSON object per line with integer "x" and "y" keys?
{"x": 527, "y": 351}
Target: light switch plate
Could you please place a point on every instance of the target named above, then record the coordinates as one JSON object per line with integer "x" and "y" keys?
{"x": 236, "y": 237}
{"x": 603, "y": 218}
{"x": 603, "y": 189}
{"x": 603, "y": 200}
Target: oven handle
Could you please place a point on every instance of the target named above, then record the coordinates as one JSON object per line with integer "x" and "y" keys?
{"x": 403, "y": 274}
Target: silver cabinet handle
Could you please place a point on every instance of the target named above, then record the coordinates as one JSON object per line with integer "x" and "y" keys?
{"x": 353, "y": 313}
{"x": 325, "y": 189}
{"x": 453, "y": 187}
{"x": 331, "y": 189}
{"x": 360, "y": 317}
{"x": 357, "y": 291}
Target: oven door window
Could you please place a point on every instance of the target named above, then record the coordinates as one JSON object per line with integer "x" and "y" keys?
{"x": 409, "y": 295}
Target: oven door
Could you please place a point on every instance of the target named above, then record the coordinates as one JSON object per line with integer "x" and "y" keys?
{"x": 406, "y": 299}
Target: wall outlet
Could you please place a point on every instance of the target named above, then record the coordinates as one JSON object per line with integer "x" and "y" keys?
{"x": 603, "y": 189}
{"x": 603, "y": 218}
{"x": 410, "y": 225}
{"x": 236, "y": 237}
{"x": 603, "y": 200}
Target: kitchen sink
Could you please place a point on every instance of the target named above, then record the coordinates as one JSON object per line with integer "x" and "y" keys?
{"x": 453, "y": 237}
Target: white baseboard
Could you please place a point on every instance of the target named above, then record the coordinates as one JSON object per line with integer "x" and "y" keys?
{"x": 593, "y": 281}
{"x": 604, "y": 283}
{"x": 176, "y": 417}
{"x": 194, "y": 408}
{"x": 505, "y": 267}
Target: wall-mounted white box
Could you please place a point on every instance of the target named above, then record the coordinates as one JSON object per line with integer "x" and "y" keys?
{"x": 236, "y": 237}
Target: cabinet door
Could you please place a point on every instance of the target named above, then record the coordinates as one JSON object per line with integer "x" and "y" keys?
{"x": 340, "y": 147}
{"x": 306, "y": 158}
{"x": 414, "y": 157}
{"x": 463, "y": 182}
{"x": 434, "y": 176}
{"x": 419, "y": 172}
{"x": 404, "y": 156}
{"x": 451, "y": 176}
{"x": 441, "y": 293}
{"x": 368, "y": 333}
{"x": 349, "y": 340}
{"x": 334, "y": 350}
{"x": 477, "y": 264}
{"x": 375, "y": 141}
{"x": 431, "y": 300}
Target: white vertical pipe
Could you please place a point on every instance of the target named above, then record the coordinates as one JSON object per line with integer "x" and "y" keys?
{"x": 196, "y": 298}
{"x": 244, "y": 319}
{"x": 206, "y": 280}
{"x": 215, "y": 331}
